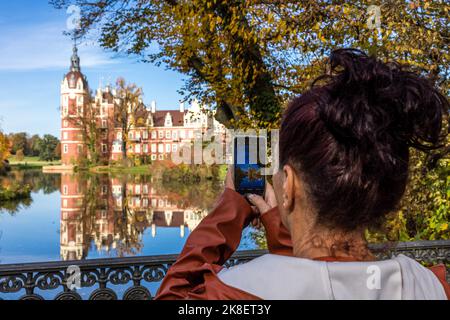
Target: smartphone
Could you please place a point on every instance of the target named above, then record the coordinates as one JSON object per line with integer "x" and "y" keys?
{"x": 248, "y": 177}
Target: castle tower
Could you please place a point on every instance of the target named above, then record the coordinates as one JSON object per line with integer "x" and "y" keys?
{"x": 74, "y": 99}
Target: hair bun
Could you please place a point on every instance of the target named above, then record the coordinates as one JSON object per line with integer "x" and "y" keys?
{"x": 381, "y": 103}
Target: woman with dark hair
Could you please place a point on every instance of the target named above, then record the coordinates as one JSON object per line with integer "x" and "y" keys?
{"x": 344, "y": 155}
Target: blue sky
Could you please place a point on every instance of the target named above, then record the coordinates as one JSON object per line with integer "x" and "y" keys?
{"x": 34, "y": 55}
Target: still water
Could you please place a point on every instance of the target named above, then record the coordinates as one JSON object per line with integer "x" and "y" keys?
{"x": 74, "y": 217}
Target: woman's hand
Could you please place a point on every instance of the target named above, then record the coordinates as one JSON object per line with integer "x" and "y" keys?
{"x": 229, "y": 180}
{"x": 261, "y": 204}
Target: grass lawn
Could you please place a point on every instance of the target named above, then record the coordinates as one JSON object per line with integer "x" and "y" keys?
{"x": 31, "y": 162}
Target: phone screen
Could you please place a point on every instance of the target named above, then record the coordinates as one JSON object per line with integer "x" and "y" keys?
{"x": 248, "y": 177}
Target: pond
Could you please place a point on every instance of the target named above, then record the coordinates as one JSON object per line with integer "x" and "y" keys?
{"x": 80, "y": 216}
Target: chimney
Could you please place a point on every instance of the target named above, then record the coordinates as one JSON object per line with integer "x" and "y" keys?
{"x": 181, "y": 106}
{"x": 153, "y": 109}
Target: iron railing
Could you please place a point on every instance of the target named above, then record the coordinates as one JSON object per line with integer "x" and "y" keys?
{"x": 138, "y": 278}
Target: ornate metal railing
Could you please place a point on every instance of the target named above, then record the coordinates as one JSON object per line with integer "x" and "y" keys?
{"x": 135, "y": 278}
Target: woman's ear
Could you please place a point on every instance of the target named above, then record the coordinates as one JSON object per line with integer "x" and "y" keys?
{"x": 288, "y": 188}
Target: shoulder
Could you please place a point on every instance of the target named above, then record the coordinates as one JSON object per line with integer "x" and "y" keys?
{"x": 277, "y": 277}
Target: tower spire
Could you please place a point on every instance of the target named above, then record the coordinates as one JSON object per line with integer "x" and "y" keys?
{"x": 75, "y": 60}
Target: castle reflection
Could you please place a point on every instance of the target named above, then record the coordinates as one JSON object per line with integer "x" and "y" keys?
{"x": 107, "y": 213}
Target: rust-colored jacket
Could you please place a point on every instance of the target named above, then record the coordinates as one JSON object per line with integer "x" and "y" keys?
{"x": 211, "y": 244}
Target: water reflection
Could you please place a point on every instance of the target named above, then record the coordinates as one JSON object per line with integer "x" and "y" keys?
{"x": 47, "y": 183}
{"x": 114, "y": 212}
{"x": 105, "y": 215}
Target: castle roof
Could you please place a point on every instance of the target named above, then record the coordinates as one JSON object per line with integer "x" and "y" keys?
{"x": 72, "y": 79}
{"x": 75, "y": 71}
{"x": 159, "y": 118}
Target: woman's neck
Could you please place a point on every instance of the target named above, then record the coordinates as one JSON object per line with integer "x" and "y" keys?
{"x": 321, "y": 242}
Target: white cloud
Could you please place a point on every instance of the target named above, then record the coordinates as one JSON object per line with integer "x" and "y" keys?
{"x": 44, "y": 47}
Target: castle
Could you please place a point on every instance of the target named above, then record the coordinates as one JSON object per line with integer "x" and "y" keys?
{"x": 162, "y": 132}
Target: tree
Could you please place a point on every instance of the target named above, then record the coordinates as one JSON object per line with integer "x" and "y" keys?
{"x": 248, "y": 57}
{"x": 57, "y": 151}
{"x": 47, "y": 147}
{"x": 19, "y": 155}
{"x": 87, "y": 121}
{"x": 129, "y": 111}
{"x": 19, "y": 141}
{"x": 33, "y": 145}
{"x": 5, "y": 146}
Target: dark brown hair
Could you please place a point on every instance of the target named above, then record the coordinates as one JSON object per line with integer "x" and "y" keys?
{"x": 349, "y": 138}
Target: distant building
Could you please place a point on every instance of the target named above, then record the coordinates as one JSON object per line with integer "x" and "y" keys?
{"x": 162, "y": 132}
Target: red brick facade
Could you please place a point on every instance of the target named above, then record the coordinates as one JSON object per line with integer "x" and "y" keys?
{"x": 163, "y": 131}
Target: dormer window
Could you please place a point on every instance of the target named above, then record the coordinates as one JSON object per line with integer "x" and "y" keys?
{"x": 168, "y": 120}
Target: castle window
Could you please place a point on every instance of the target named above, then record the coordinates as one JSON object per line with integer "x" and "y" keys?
{"x": 104, "y": 123}
{"x": 174, "y": 148}
{"x": 161, "y": 156}
{"x": 65, "y": 148}
{"x": 104, "y": 148}
{"x": 145, "y": 135}
{"x": 153, "y": 147}
{"x": 168, "y": 135}
{"x": 138, "y": 135}
{"x": 153, "y": 134}
{"x": 160, "y": 148}
{"x": 65, "y": 189}
{"x": 65, "y": 123}
{"x": 182, "y": 135}
{"x": 104, "y": 189}
{"x": 167, "y": 148}
{"x": 119, "y": 135}
{"x": 153, "y": 157}
{"x": 138, "y": 148}
{"x": 65, "y": 135}
{"x": 130, "y": 135}
{"x": 161, "y": 134}
{"x": 191, "y": 134}
{"x": 174, "y": 135}
{"x": 145, "y": 148}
